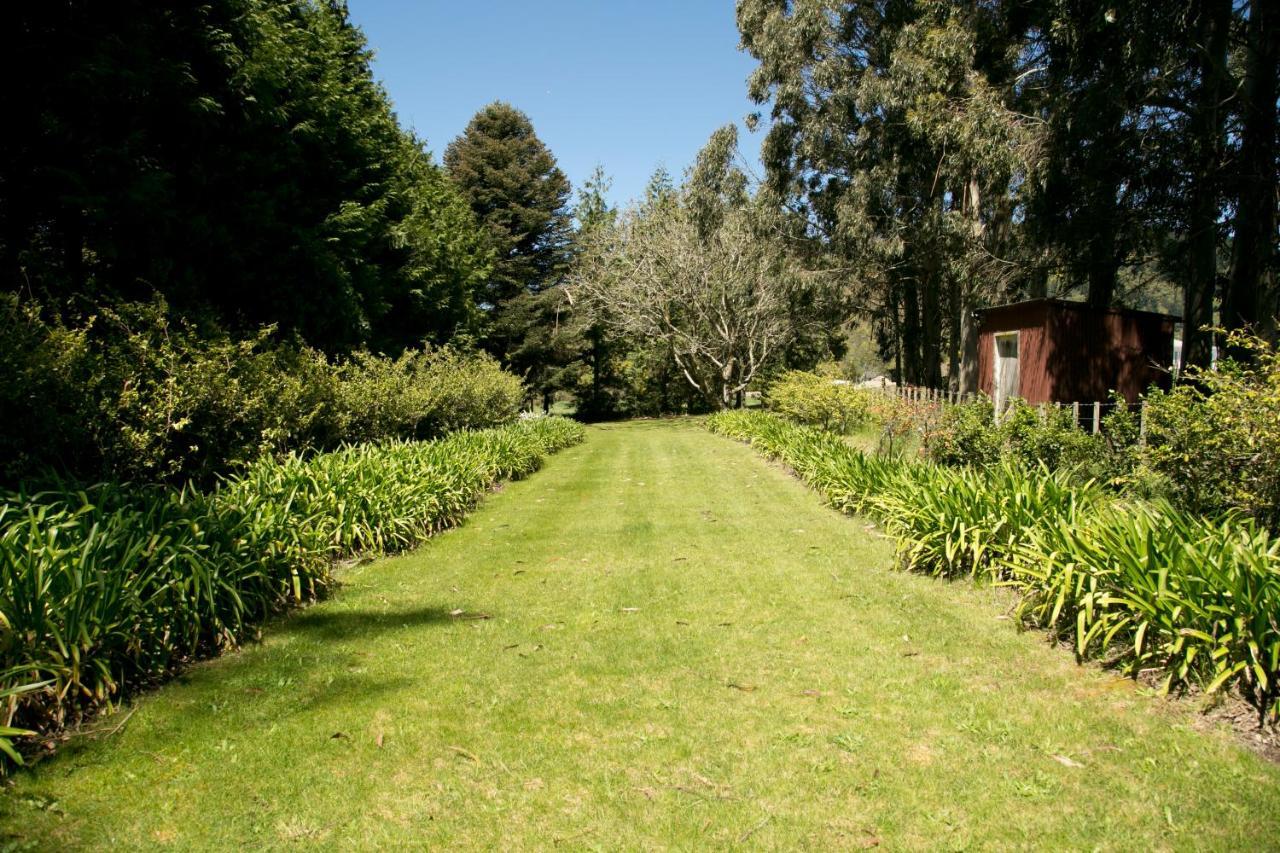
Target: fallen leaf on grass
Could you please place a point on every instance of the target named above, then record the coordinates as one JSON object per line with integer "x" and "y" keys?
{"x": 378, "y": 740}
{"x": 337, "y": 735}
{"x": 745, "y": 688}
{"x": 630, "y": 609}
{"x": 462, "y": 614}
{"x": 467, "y": 754}
{"x": 1066, "y": 762}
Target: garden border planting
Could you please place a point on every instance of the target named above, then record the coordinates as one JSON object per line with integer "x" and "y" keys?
{"x": 109, "y": 588}
{"x": 1138, "y": 585}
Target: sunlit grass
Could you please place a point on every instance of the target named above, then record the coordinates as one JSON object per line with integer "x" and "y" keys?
{"x": 658, "y": 640}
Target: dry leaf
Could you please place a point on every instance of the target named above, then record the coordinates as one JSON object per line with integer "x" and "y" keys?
{"x": 1066, "y": 762}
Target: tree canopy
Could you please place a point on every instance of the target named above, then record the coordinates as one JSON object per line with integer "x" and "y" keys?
{"x": 236, "y": 157}
{"x": 950, "y": 155}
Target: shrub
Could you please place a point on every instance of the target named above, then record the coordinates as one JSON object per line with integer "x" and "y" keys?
{"x": 1146, "y": 586}
{"x": 128, "y": 395}
{"x": 423, "y": 394}
{"x": 967, "y": 434}
{"x": 109, "y": 588}
{"x": 819, "y": 401}
{"x": 1139, "y": 585}
{"x": 1215, "y": 439}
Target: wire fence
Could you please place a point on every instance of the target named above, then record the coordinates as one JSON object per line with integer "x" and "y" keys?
{"x": 1086, "y": 415}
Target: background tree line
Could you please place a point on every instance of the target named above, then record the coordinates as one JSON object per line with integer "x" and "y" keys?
{"x": 199, "y": 201}
{"x": 950, "y": 155}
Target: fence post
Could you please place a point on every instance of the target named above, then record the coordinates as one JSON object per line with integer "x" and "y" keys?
{"x": 1097, "y": 417}
{"x": 1075, "y": 414}
{"x": 1142, "y": 422}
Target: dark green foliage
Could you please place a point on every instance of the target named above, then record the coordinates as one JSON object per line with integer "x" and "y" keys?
{"x": 954, "y": 155}
{"x": 521, "y": 199}
{"x": 1142, "y": 586}
{"x": 108, "y": 589}
{"x": 236, "y": 157}
{"x": 130, "y": 394}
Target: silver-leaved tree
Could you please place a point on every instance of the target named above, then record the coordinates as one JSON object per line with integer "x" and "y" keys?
{"x": 706, "y": 271}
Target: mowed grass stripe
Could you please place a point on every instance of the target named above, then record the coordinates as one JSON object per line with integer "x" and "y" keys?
{"x": 663, "y": 641}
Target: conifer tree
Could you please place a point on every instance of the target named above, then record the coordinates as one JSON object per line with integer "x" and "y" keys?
{"x": 521, "y": 199}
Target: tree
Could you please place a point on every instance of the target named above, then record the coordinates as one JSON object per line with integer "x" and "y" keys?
{"x": 521, "y": 199}
{"x": 701, "y": 272}
{"x": 594, "y": 385}
{"x": 448, "y": 260}
{"x": 1253, "y": 289}
{"x": 952, "y": 154}
{"x": 236, "y": 157}
{"x": 895, "y": 134}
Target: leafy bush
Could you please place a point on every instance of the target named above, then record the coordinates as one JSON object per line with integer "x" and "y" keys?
{"x": 109, "y": 588}
{"x": 819, "y": 401}
{"x": 1215, "y": 439}
{"x": 128, "y": 395}
{"x": 423, "y": 394}
{"x": 1140, "y": 585}
{"x": 1145, "y": 586}
{"x": 967, "y": 434}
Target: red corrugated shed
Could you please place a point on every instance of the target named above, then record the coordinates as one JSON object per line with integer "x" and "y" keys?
{"x": 1068, "y": 352}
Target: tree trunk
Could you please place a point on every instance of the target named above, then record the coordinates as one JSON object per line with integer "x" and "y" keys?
{"x": 966, "y": 380}
{"x": 931, "y": 322}
{"x": 910, "y": 333}
{"x": 896, "y": 317}
{"x": 955, "y": 310}
{"x": 1102, "y": 260}
{"x": 1213, "y": 19}
{"x": 1250, "y": 297}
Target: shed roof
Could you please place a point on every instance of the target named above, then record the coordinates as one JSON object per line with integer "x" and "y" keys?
{"x": 1080, "y": 306}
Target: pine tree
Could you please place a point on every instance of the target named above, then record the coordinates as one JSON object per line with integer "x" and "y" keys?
{"x": 521, "y": 198}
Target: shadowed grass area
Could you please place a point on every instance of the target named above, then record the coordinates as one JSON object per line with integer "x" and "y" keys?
{"x": 658, "y": 640}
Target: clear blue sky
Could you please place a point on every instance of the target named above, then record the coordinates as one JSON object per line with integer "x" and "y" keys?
{"x": 622, "y": 83}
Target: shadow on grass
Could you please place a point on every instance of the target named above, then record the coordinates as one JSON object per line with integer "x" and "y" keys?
{"x": 336, "y": 625}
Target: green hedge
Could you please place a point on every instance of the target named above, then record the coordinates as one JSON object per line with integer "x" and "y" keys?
{"x": 105, "y": 589}
{"x": 1142, "y": 586}
{"x": 128, "y": 394}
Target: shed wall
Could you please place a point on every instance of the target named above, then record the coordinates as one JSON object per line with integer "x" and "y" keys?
{"x": 1074, "y": 354}
{"x": 1030, "y": 321}
{"x": 1094, "y": 353}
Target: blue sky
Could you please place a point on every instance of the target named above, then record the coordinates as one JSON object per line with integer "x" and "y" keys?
{"x": 625, "y": 84}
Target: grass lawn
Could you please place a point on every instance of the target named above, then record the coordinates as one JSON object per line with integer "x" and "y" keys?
{"x": 658, "y": 640}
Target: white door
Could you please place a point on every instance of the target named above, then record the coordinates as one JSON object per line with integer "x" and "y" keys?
{"x": 1006, "y": 369}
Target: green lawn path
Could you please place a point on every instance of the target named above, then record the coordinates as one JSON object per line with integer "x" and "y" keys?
{"x": 680, "y": 646}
